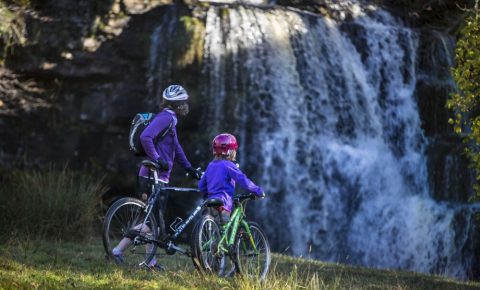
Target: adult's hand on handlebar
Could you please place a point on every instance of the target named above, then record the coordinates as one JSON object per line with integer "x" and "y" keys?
{"x": 195, "y": 173}
{"x": 162, "y": 164}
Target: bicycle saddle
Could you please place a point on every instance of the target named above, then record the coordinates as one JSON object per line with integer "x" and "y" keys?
{"x": 150, "y": 164}
{"x": 214, "y": 202}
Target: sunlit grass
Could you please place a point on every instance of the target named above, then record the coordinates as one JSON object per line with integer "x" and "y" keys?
{"x": 29, "y": 264}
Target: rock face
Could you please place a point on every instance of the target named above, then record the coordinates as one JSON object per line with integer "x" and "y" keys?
{"x": 448, "y": 167}
{"x": 73, "y": 88}
{"x": 69, "y": 93}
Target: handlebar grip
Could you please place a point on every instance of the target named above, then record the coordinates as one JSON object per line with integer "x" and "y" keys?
{"x": 249, "y": 195}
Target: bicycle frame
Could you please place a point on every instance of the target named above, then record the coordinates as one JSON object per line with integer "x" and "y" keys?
{"x": 183, "y": 224}
{"x": 230, "y": 229}
{"x": 178, "y": 226}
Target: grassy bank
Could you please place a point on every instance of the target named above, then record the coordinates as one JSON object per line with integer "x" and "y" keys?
{"x": 27, "y": 264}
{"x": 51, "y": 203}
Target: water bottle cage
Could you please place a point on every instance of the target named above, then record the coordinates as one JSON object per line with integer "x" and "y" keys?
{"x": 174, "y": 225}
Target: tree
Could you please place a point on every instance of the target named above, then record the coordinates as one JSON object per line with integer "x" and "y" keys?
{"x": 465, "y": 103}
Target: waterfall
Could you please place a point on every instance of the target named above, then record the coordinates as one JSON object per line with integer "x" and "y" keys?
{"x": 326, "y": 116}
{"x": 160, "y": 63}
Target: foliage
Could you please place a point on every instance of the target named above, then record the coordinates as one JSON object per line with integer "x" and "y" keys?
{"x": 51, "y": 203}
{"x": 466, "y": 101}
{"x": 190, "y": 42}
{"x": 20, "y": 3}
{"x": 12, "y": 28}
{"x": 33, "y": 264}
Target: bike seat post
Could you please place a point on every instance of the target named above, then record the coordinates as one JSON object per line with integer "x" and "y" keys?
{"x": 155, "y": 176}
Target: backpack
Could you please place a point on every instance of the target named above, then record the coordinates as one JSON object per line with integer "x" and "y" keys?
{"x": 139, "y": 123}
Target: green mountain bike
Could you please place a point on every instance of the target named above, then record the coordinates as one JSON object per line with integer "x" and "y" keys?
{"x": 239, "y": 246}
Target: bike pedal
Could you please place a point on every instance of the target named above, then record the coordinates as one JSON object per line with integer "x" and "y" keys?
{"x": 169, "y": 250}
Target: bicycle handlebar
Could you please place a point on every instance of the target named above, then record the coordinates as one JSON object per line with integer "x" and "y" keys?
{"x": 239, "y": 197}
{"x": 199, "y": 169}
{"x": 179, "y": 189}
{"x": 242, "y": 197}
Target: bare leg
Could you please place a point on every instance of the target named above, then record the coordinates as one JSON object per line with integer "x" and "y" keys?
{"x": 125, "y": 242}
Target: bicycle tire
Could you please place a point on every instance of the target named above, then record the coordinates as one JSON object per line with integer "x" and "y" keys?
{"x": 193, "y": 249}
{"x": 249, "y": 262}
{"x": 205, "y": 254}
{"x": 121, "y": 219}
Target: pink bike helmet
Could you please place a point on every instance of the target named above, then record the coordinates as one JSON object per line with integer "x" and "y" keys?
{"x": 224, "y": 144}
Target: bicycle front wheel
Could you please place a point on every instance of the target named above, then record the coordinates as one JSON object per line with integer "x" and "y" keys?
{"x": 206, "y": 254}
{"x": 124, "y": 228}
{"x": 252, "y": 252}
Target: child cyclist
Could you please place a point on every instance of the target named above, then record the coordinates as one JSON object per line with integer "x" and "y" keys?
{"x": 221, "y": 176}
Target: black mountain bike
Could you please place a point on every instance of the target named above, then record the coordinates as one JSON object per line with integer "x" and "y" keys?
{"x": 135, "y": 220}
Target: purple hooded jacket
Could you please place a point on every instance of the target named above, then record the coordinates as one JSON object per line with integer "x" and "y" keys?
{"x": 167, "y": 148}
{"x": 219, "y": 180}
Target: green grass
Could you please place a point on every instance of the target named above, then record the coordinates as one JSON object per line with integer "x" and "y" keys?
{"x": 28, "y": 264}
{"x": 49, "y": 203}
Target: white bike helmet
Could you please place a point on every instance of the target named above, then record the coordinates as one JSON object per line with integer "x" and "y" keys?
{"x": 175, "y": 93}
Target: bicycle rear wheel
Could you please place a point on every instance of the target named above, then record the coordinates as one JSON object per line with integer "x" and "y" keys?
{"x": 123, "y": 222}
{"x": 252, "y": 252}
{"x": 205, "y": 253}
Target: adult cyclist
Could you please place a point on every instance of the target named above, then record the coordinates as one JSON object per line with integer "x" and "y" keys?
{"x": 164, "y": 151}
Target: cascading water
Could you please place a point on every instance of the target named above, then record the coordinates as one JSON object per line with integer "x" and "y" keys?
{"x": 325, "y": 114}
{"x": 160, "y": 64}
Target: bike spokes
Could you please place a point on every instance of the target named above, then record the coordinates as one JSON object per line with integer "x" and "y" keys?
{"x": 253, "y": 252}
{"x": 205, "y": 248}
{"x": 124, "y": 228}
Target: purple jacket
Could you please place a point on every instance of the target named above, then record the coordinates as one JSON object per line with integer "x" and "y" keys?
{"x": 168, "y": 148}
{"x": 219, "y": 180}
